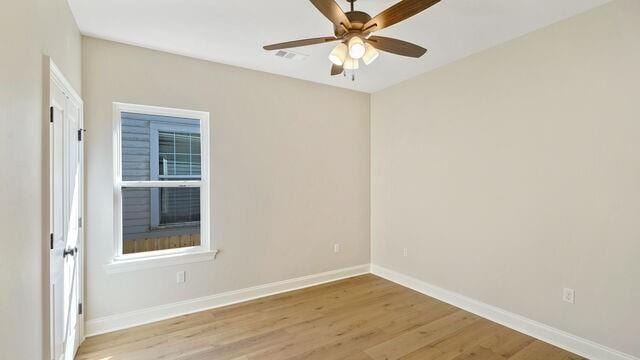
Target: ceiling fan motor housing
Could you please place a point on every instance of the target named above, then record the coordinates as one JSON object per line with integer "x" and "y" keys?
{"x": 357, "y": 18}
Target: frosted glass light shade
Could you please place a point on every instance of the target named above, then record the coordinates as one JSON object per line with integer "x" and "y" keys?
{"x": 370, "y": 54}
{"x": 339, "y": 54}
{"x": 351, "y": 64}
{"x": 356, "y": 47}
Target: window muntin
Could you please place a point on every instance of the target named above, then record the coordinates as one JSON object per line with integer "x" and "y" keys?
{"x": 161, "y": 183}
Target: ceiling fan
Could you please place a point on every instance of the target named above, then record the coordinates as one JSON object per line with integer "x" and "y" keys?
{"x": 353, "y": 29}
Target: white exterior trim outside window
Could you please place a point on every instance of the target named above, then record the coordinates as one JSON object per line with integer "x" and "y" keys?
{"x": 135, "y": 261}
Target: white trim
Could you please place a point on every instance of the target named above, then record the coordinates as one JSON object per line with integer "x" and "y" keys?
{"x": 162, "y": 258}
{"x": 160, "y": 183}
{"x": 161, "y": 111}
{"x": 145, "y": 316}
{"x": 206, "y": 243}
{"x": 58, "y": 76}
{"x": 559, "y": 338}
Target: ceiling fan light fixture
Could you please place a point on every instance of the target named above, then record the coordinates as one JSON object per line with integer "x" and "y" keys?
{"x": 370, "y": 54}
{"x": 356, "y": 47}
{"x": 351, "y": 64}
{"x": 339, "y": 54}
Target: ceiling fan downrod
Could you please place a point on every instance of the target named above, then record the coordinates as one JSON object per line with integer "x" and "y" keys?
{"x": 351, "y": 1}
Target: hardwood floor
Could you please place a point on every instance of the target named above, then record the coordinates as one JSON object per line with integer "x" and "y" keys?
{"x": 364, "y": 317}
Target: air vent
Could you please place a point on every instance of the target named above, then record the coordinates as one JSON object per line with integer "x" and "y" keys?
{"x": 290, "y": 55}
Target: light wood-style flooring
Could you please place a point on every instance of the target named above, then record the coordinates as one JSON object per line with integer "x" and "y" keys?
{"x": 364, "y": 317}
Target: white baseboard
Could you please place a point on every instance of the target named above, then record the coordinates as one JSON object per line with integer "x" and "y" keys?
{"x": 559, "y": 338}
{"x": 145, "y": 316}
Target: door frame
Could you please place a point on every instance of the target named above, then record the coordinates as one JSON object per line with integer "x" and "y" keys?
{"x": 53, "y": 75}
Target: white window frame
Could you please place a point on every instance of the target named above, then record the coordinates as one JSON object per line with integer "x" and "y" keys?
{"x": 135, "y": 261}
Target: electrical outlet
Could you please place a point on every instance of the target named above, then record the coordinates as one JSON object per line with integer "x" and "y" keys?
{"x": 405, "y": 252}
{"x": 336, "y": 248}
{"x": 181, "y": 276}
{"x": 569, "y": 295}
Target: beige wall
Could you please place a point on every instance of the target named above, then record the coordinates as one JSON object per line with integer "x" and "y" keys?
{"x": 29, "y": 29}
{"x": 290, "y": 174}
{"x": 516, "y": 172}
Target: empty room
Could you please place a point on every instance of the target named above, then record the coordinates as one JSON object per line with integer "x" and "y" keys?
{"x": 320, "y": 179}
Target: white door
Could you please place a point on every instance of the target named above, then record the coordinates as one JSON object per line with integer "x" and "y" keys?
{"x": 66, "y": 213}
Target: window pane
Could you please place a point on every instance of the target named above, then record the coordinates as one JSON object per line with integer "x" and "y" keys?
{"x": 195, "y": 164}
{"x": 178, "y": 158}
{"x": 148, "y": 140}
{"x": 160, "y": 218}
{"x": 182, "y": 142}
{"x": 166, "y": 166}
{"x": 183, "y": 162}
{"x": 179, "y": 205}
{"x": 165, "y": 142}
{"x": 195, "y": 144}
{"x": 135, "y": 149}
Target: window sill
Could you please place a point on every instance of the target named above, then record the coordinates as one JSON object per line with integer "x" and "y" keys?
{"x": 119, "y": 265}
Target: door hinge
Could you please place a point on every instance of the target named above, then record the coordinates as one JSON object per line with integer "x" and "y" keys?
{"x": 79, "y": 308}
{"x": 80, "y": 131}
{"x": 79, "y": 222}
{"x": 50, "y": 114}
{"x": 51, "y": 241}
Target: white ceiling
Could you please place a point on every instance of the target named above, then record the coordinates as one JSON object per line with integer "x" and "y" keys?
{"x": 234, "y": 31}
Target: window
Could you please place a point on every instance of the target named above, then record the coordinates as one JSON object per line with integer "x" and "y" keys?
{"x": 161, "y": 182}
{"x": 175, "y": 155}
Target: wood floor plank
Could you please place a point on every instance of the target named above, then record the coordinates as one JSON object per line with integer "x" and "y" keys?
{"x": 540, "y": 350}
{"x": 413, "y": 340}
{"x": 500, "y": 345}
{"x": 360, "y": 318}
{"x": 455, "y": 344}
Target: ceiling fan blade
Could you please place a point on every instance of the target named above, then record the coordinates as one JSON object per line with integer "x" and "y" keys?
{"x": 398, "y": 12}
{"x": 297, "y": 43}
{"x": 396, "y": 46}
{"x": 336, "y": 69}
{"x": 334, "y": 13}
